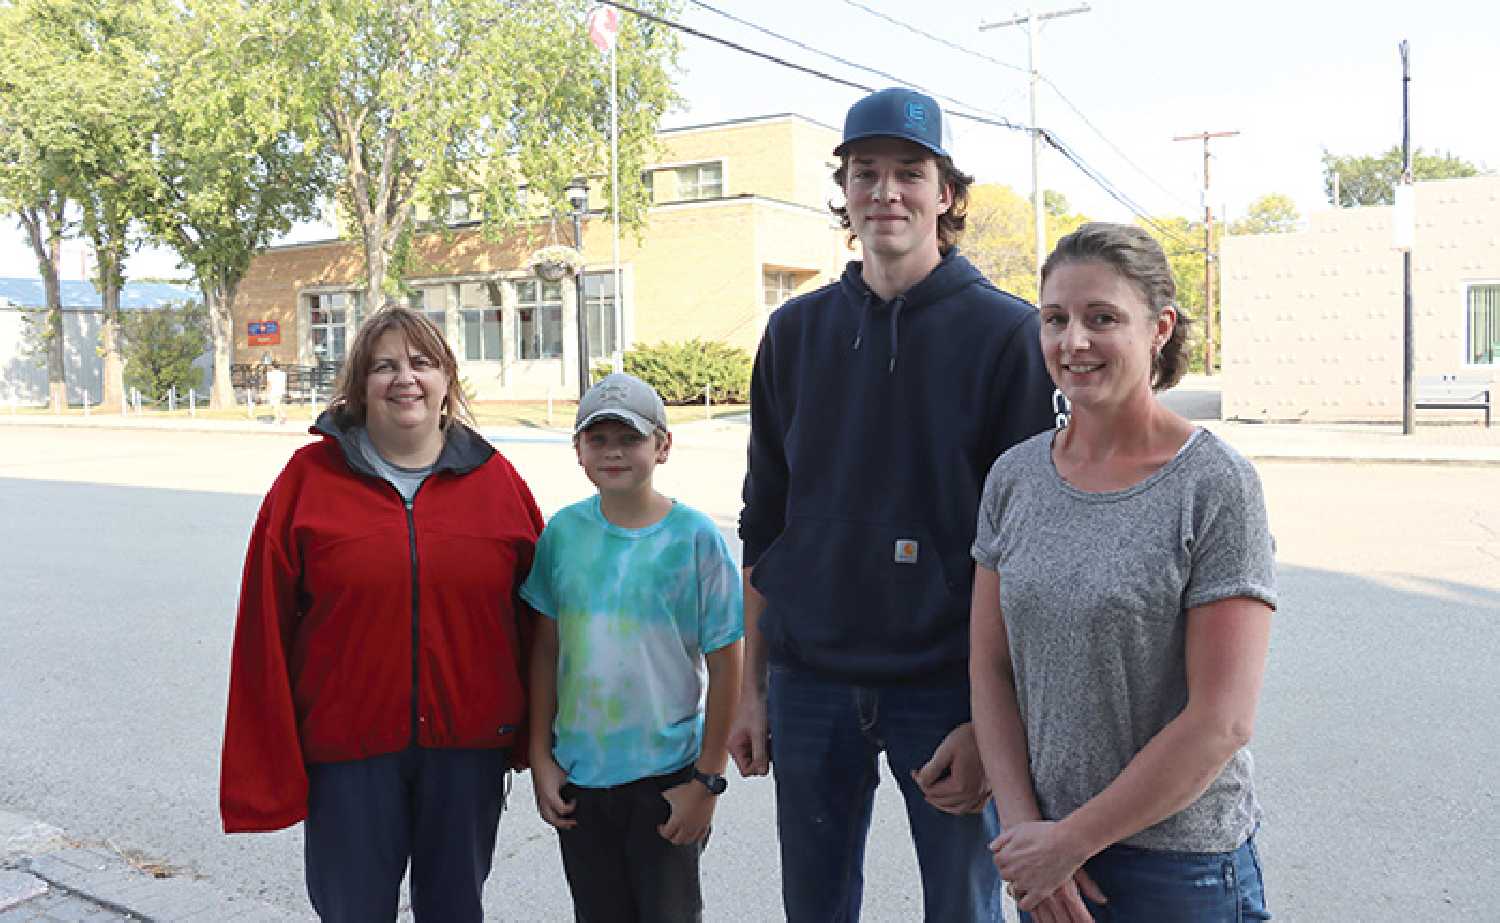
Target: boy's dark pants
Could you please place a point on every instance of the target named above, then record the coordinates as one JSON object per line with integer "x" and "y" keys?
{"x": 619, "y": 867}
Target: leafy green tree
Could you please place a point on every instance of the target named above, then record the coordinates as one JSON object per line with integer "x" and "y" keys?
{"x": 999, "y": 236}
{"x": 424, "y": 98}
{"x": 1371, "y": 179}
{"x": 235, "y": 160}
{"x": 35, "y": 169}
{"x": 1182, "y": 240}
{"x": 1272, "y": 213}
{"x": 160, "y": 346}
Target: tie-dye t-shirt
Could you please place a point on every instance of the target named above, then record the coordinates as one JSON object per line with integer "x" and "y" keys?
{"x": 636, "y": 610}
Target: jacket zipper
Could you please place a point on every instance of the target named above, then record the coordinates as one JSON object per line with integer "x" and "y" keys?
{"x": 416, "y": 631}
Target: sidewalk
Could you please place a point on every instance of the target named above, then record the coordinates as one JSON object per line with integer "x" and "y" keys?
{"x": 1433, "y": 443}
{"x": 47, "y": 877}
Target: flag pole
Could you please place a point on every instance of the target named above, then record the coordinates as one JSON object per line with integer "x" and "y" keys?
{"x": 614, "y": 195}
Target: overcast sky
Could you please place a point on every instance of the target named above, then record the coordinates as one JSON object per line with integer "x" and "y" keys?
{"x": 1293, "y": 78}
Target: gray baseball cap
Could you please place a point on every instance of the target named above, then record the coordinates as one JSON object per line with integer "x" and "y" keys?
{"x": 625, "y": 398}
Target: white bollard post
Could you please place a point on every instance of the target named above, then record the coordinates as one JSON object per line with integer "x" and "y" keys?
{"x": 708, "y": 410}
{"x": 136, "y": 393}
{"x": 549, "y": 406}
{"x": 172, "y": 399}
{"x": 85, "y": 401}
{"x": 192, "y": 402}
{"x": 250, "y": 403}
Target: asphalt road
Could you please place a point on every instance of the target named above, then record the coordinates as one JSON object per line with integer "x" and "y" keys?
{"x": 1377, "y": 746}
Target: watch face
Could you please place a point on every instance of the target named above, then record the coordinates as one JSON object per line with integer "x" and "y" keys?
{"x": 715, "y": 784}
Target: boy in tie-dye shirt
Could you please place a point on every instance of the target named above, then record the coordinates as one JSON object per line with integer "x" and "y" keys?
{"x": 639, "y": 594}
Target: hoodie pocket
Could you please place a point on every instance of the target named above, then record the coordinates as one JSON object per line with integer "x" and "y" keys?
{"x": 870, "y": 588}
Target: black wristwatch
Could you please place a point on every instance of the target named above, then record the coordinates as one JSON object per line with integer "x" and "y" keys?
{"x": 716, "y": 784}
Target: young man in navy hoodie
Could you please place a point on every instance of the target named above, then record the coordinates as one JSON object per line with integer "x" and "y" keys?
{"x": 877, "y": 406}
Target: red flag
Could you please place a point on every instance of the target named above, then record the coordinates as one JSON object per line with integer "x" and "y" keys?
{"x": 604, "y": 25}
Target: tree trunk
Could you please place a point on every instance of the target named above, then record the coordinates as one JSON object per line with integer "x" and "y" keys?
{"x": 57, "y": 378}
{"x": 218, "y": 296}
{"x": 43, "y": 223}
{"x": 111, "y": 265}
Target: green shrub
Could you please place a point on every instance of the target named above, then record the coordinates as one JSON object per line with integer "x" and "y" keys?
{"x": 159, "y": 347}
{"x": 680, "y": 371}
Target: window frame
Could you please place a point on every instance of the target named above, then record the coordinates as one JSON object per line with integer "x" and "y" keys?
{"x": 1466, "y": 351}
{"x": 542, "y": 305}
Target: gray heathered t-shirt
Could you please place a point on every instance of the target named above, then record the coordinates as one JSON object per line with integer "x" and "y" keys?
{"x": 1095, "y": 589}
{"x": 405, "y": 480}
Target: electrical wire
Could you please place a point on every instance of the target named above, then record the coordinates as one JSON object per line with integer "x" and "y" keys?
{"x": 1175, "y": 196}
{"x": 990, "y": 59}
{"x": 995, "y": 120}
{"x": 937, "y": 38}
{"x": 995, "y": 116}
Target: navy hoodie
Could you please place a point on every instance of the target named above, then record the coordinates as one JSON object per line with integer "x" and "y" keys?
{"x": 872, "y": 427}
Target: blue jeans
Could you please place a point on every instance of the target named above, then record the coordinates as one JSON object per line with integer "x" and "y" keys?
{"x": 1177, "y": 887}
{"x": 826, "y": 738}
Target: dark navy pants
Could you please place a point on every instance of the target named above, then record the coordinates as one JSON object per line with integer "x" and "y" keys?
{"x": 437, "y": 809}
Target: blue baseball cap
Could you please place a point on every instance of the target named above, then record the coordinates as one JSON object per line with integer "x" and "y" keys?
{"x": 895, "y": 113}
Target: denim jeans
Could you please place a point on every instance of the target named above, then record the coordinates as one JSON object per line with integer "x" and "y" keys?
{"x": 619, "y": 868}
{"x": 826, "y": 738}
{"x": 1177, "y": 887}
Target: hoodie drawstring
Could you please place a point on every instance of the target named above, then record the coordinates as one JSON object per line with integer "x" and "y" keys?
{"x": 859, "y": 335}
{"x": 896, "y": 307}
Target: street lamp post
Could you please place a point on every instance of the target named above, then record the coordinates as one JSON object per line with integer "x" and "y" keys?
{"x": 578, "y": 197}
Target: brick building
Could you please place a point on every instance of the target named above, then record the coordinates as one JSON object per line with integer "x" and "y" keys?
{"x": 739, "y": 221}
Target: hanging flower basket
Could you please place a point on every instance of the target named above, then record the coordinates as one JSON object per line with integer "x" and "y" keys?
{"x": 554, "y": 262}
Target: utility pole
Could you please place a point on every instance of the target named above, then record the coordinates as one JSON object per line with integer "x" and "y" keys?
{"x": 1208, "y": 247}
{"x": 1407, "y": 215}
{"x": 1033, "y": 64}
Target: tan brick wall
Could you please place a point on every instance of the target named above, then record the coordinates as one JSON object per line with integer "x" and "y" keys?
{"x": 1313, "y": 320}
{"x": 695, "y": 271}
{"x": 783, "y": 158}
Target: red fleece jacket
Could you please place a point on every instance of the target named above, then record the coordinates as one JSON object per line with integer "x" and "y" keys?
{"x": 340, "y": 585}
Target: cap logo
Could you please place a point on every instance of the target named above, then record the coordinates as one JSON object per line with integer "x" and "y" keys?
{"x": 916, "y": 112}
{"x": 613, "y": 393}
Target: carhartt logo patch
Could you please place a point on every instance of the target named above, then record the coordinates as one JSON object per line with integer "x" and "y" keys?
{"x": 906, "y": 551}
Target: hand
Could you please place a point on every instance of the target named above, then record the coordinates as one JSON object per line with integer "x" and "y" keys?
{"x": 1036, "y": 859}
{"x": 1065, "y": 905}
{"x": 692, "y": 811}
{"x": 953, "y": 781}
{"x": 547, "y": 779}
{"x": 749, "y": 738}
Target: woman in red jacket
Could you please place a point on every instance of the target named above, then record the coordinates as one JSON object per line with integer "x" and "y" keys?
{"x": 376, "y": 691}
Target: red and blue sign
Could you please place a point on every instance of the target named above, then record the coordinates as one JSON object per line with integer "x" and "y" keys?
{"x": 264, "y": 333}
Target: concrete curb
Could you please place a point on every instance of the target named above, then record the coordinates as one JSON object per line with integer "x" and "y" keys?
{"x": 40, "y": 867}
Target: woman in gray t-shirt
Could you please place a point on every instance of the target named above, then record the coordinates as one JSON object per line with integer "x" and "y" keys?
{"x": 1121, "y": 616}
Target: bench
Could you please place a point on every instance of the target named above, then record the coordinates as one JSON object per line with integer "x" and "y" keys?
{"x": 1454, "y": 392}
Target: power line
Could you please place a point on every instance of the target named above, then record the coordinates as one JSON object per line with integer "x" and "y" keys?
{"x": 936, "y": 38}
{"x": 1121, "y": 154}
{"x": 847, "y": 63}
{"x": 990, "y": 59}
{"x": 998, "y": 122}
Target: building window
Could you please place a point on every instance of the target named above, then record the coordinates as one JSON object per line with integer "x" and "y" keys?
{"x": 648, "y": 180}
{"x": 700, "y": 181}
{"x": 328, "y": 322}
{"x": 779, "y": 285}
{"x": 1482, "y": 323}
{"x": 479, "y": 306}
{"x": 538, "y": 319}
{"x": 599, "y": 308}
{"x": 431, "y": 301}
{"x": 458, "y": 207}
